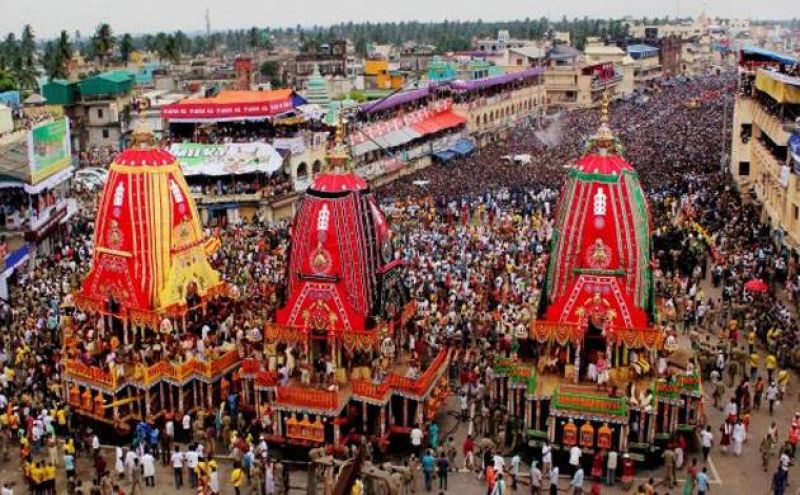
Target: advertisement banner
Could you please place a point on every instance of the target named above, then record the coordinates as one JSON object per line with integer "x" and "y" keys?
{"x": 226, "y": 159}
{"x": 49, "y": 149}
{"x": 186, "y": 111}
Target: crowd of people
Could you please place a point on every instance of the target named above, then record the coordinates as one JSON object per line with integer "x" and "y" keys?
{"x": 474, "y": 237}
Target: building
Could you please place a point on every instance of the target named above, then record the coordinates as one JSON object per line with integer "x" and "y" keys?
{"x": 97, "y": 107}
{"x": 378, "y": 74}
{"x": 499, "y": 44}
{"x": 330, "y": 58}
{"x": 575, "y": 80}
{"x": 669, "y": 54}
{"x": 646, "y": 63}
{"x": 767, "y": 104}
{"x": 36, "y": 194}
{"x": 524, "y": 57}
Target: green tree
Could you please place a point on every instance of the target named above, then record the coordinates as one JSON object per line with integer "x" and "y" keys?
{"x": 168, "y": 49}
{"x": 126, "y": 47}
{"x": 27, "y": 47}
{"x": 103, "y": 43}
{"x": 7, "y": 81}
{"x": 57, "y": 55}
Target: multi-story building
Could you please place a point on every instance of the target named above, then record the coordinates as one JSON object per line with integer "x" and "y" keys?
{"x": 97, "y": 107}
{"x": 647, "y": 64}
{"x": 764, "y": 117}
{"x": 500, "y": 44}
{"x": 575, "y": 80}
{"x": 331, "y": 58}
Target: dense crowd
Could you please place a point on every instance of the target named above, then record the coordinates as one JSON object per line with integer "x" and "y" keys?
{"x": 474, "y": 235}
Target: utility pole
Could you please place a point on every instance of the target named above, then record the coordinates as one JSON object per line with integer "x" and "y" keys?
{"x": 208, "y": 21}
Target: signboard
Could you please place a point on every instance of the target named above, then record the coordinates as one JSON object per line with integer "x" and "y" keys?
{"x": 49, "y": 149}
{"x": 226, "y": 159}
{"x": 197, "y": 112}
{"x": 296, "y": 144}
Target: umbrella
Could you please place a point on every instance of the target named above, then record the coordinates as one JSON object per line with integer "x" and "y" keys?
{"x": 756, "y": 285}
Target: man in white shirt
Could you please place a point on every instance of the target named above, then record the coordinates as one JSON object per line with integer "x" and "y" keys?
{"x": 575, "y": 457}
{"x": 536, "y": 479}
{"x": 554, "y": 474}
{"x": 191, "y": 464}
{"x": 547, "y": 459}
{"x": 177, "y": 460}
{"x": 706, "y": 440}
{"x": 515, "y": 461}
{"x": 187, "y": 428}
{"x": 169, "y": 430}
{"x": 7, "y": 490}
{"x": 149, "y": 468}
{"x": 213, "y": 481}
{"x": 416, "y": 441}
{"x": 611, "y": 468}
{"x": 499, "y": 463}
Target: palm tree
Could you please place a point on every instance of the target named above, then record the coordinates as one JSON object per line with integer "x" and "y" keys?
{"x": 126, "y": 47}
{"x": 57, "y": 56}
{"x": 168, "y": 48}
{"x": 103, "y": 42}
{"x": 27, "y": 47}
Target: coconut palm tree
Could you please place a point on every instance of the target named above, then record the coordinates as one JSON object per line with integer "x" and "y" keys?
{"x": 126, "y": 47}
{"x": 103, "y": 42}
{"x": 57, "y": 56}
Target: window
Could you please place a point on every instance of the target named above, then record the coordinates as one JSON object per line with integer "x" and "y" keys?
{"x": 99, "y": 113}
{"x": 796, "y": 212}
{"x": 744, "y": 168}
{"x": 746, "y": 132}
{"x": 105, "y": 133}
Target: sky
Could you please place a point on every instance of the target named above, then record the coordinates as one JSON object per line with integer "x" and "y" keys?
{"x": 49, "y": 17}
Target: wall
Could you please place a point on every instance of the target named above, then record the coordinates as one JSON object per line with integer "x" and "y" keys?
{"x": 487, "y": 113}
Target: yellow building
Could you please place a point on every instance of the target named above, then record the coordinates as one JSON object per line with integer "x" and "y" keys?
{"x": 379, "y": 75}
{"x": 760, "y": 161}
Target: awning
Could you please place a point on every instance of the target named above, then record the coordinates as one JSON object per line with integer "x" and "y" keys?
{"x": 231, "y": 106}
{"x": 364, "y": 148}
{"x": 783, "y": 88}
{"x": 463, "y": 147}
{"x": 16, "y": 258}
{"x": 50, "y": 182}
{"x": 438, "y": 122}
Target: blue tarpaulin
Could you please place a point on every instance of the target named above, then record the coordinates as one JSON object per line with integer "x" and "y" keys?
{"x": 463, "y": 147}
{"x": 444, "y": 155}
{"x": 16, "y": 257}
{"x": 10, "y": 99}
{"x": 794, "y": 149}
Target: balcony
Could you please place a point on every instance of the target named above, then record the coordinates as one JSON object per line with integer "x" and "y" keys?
{"x": 771, "y": 125}
{"x": 600, "y": 84}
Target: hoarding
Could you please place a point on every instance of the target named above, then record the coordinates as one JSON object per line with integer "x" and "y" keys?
{"x": 226, "y": 159}
{"x": 49, "y": 149}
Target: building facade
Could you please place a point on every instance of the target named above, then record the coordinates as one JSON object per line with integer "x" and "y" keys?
{"x": 763, "y": 122}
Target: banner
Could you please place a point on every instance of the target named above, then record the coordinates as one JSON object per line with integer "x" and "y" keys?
{"x": 226, "y": 159}
{"x": 188, "y": 111}
{"x": 49, "y": 149}
{"x": 296, "y": 144}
